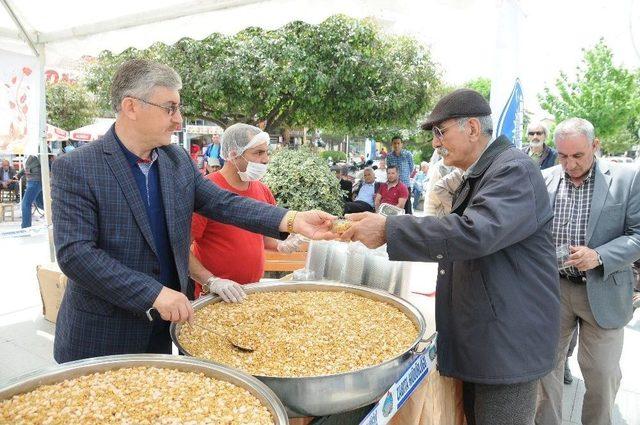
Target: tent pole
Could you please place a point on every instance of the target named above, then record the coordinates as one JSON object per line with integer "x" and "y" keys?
{"x": 39, "y": 52}
{"x": 44, "y": 156}
{"x": 24, "y": 32}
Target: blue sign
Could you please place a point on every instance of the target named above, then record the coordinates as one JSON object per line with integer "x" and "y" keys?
{"x": 510, "y": 121}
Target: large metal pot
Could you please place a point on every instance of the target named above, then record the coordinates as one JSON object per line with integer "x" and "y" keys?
{"x": 78, "y": 368}
{"x": 331, "y": 394}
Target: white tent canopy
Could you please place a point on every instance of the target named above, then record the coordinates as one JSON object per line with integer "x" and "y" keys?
{"x": 91, "y": 132}
{"x": 56, "y": 134}
{"x": 71, "y": 30}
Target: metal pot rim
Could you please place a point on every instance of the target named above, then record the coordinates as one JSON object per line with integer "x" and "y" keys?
{"x": 320, "y": 286}
{"x": 54, "y": 374}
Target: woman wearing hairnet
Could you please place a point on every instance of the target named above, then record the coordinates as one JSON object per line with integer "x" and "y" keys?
{"x": 224, "y": 257}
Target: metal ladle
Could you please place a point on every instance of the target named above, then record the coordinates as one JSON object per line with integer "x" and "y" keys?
{"x": 239, "y": 345}
{"x": 242, "y": 346}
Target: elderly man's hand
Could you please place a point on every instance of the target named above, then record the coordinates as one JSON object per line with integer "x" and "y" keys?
{"x": 314, "y": 224}
{"x": 367, "y": 228}
{"x": 583, "y": 258}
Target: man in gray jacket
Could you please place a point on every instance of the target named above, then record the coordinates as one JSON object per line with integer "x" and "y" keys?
{"x": 497, "y": 303}
{"x": 597, "y": 213}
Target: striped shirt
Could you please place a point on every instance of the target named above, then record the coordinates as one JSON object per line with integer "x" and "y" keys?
{"x": 571, "y": 213}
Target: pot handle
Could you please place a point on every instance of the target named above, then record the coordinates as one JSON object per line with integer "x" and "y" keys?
{"x": 426, "y": 341}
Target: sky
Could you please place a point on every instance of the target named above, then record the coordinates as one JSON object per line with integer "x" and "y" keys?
{"x": 551, "y": 35}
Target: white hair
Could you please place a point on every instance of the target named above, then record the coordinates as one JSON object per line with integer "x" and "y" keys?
{"x": 540, "y": 124}
{"x": 572, "y": 127}
{"x": 486, "y": 124}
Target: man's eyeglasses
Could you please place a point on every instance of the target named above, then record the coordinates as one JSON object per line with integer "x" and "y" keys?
{"x": 438, "y": 132}
{"x": 536, "y": 133}
{"x": 171, "y": 110}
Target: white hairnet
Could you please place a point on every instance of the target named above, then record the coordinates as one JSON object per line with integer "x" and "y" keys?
{"x": 238, "y": 138}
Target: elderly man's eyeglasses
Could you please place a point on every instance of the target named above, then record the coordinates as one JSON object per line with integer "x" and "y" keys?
{"x": 536, "y": 133}
{"x": 171, "y": 109}
{"x": 438, "y": 132}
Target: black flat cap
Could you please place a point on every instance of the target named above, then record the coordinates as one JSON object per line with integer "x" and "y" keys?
{"x": 458, "y": 104}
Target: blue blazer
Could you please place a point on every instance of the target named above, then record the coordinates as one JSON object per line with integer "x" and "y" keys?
{"x": 105, "y": 246}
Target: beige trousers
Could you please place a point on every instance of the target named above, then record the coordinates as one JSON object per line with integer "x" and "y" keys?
{"x": 598, "y": 356}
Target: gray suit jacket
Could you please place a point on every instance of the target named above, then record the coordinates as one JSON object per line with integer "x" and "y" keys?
{"x": 613, "y": 231}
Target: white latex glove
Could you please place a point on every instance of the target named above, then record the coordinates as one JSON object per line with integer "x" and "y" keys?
{"x": 291, "y": 244}
{"x": 226, "y": 289}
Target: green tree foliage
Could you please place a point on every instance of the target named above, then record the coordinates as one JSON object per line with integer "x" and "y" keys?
{"x": 336, "y": 156}
{"x": 69, "y": 105}
{"x": 482, "y": 85}
{"x": 602, "y": 93}
{"x": 342, "y": 74}
{"x": 300, "y": 179}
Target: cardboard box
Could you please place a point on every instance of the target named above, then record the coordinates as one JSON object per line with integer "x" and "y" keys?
{"x": 52, "y": 285}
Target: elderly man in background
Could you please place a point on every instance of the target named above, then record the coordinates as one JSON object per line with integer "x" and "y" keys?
{"x": 7, "y": 174}
{"x": 122, "y": 210}
{"x": 365, "y": 193}
{"x": 497, "y": 308}
{"x": 597, "y": 216}
{"x": 543, "y": 155}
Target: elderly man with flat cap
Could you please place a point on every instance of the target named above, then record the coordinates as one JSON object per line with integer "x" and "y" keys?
{"x": 497, "y": 304}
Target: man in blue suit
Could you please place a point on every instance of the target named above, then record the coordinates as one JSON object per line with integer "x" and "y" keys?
{"x": 122, "y": 211}
{"x": 597, "y": 213}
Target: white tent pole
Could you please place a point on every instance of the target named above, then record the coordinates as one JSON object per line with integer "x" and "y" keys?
{"x": 18, "y": 23}
{"x": 44, "y": 154}
{"x": 39, "y": 52}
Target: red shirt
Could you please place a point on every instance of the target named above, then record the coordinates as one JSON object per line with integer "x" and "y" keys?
{"x": 390, "y": 195}
{"x": 228, "y": 251}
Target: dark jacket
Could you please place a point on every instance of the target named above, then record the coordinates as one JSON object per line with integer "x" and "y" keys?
{"x": 346, "y": 186}
{"x": 549, "y": 156}
{"x": 105, "y": 246}
{"x": 497, "y": 303}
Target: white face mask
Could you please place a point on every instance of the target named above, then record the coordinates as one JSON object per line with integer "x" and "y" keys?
{"x": 255, "y": 171}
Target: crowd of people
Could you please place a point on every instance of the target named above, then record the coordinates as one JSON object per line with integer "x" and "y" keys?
{"x": 507, "y": 307}
{"x": 393, "y": 181}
